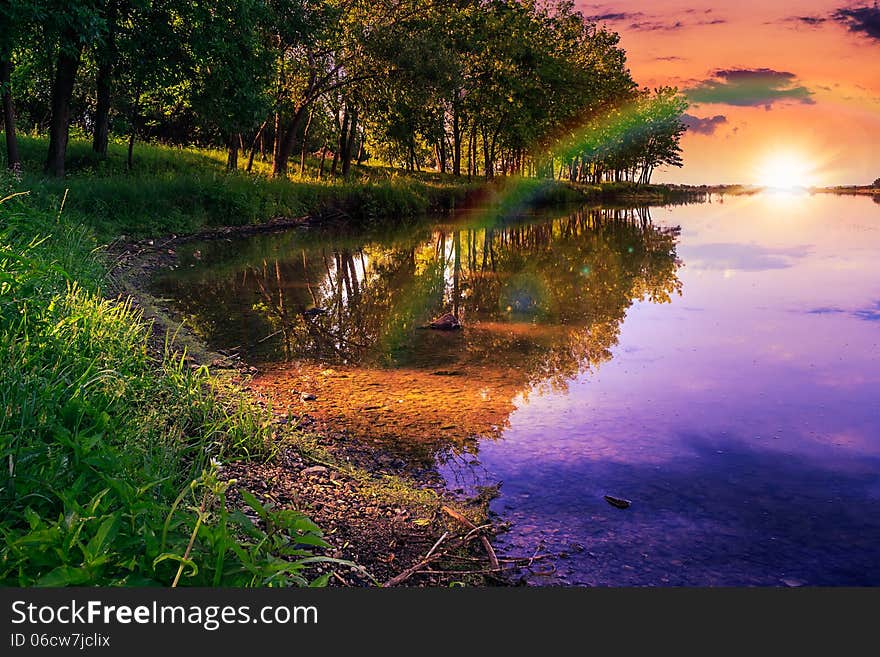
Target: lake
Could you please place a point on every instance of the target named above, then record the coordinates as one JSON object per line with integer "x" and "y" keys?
{"x": 715, "y": 364}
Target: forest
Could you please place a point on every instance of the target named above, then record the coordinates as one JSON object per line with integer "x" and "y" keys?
{"x": 477, "y": 88}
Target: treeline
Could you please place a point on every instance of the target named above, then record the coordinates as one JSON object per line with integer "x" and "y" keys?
{"x": 469, "y": 87}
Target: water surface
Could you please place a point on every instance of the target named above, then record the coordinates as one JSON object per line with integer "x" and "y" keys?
{"x": 716, "y": 364}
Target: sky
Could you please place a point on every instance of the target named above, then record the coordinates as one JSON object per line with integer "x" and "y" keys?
{"x": 782, "y": 93}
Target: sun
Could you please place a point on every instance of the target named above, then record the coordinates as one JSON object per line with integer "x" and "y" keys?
{"x": 786, "y": 170}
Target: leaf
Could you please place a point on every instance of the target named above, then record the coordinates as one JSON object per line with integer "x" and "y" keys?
{"x": 320, "y": 582}
{"x": 65, "y": 576}
{"x": 254, "y": 503}
{"x": 311, "y": 539}
{"x": 167, "y": 556}
{"x": 99, "y": 542}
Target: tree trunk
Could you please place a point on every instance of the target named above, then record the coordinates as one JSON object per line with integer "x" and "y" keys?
{"x": 340, "y": 144}
{"x": 487, "y": 159}
{"x": 102, "y": 110}
{"x": 62, "y": 90}
{"x": 12, "y": 159}
{"x": 284, "y": 146}
{"x": 276, "y": 146}
{"x": 323, "y": 160}
{"x": 456, "y": 142}
{"x": 104, "y": 85}
{"x": 232, "y": 156}
{"x": 257, "y": 138}
{"x": 302, "y": 153}
{"x": 348, "y": 152}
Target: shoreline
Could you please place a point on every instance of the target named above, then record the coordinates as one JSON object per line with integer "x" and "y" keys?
{"x": 376, "y": 509}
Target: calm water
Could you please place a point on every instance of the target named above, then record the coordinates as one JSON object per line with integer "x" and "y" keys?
{"x": 716, "y": 364}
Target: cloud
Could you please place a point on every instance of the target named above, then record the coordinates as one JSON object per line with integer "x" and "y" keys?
{"x": 750, "y": 87}
{"x": 656, "y": 26}
{"x": 742, "y": 257}
{"x": 704, "y": 126}
{"x": 810, "y": 20}
{"x": 652, "y": 23}
{"x": 615, "y": 16}
{"x": 864, "y": 20}
{"x": 871, "y": 314}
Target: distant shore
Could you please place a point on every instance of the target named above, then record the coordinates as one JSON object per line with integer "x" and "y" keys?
{"x": 860, "y": 190}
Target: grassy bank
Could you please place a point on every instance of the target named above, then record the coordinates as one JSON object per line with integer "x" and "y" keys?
{"x": 186, "y": 190}
{"x": 177, "y": 190}
{"x": 110, "y": 456}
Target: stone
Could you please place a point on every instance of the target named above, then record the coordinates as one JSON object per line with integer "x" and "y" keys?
{"x": 618, "y": 502}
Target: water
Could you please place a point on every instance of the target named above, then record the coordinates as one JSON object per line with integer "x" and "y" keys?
{"x": 724, "y": 377}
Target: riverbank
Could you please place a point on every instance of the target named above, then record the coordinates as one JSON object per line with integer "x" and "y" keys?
{"x": 174, "y": 468}
{"x": 187, "y": 191}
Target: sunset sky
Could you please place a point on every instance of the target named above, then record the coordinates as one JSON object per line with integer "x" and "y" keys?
{"x": 784, "y": 92}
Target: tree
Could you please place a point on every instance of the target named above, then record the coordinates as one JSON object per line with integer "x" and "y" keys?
{"x": 231, "y": 69}
{"x": 12, "y": 16}
{"x": 69, "y": 26}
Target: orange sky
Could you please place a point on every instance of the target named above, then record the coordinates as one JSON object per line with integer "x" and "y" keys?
{"x": 791, "y": 81}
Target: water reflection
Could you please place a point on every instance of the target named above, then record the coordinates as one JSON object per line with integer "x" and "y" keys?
{"x": 541, "y": 301}
{"x": 724, "y": 376}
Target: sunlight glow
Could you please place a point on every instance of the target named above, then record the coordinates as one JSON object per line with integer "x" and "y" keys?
{"x": 786, "y": 170}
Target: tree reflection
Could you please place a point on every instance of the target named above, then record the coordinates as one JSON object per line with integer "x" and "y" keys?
{"x": 541, "y": 301}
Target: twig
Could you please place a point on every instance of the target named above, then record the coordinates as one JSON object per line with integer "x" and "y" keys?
{"x": 490, "y": 551}
{"x": 437, "y": 544}
{"x": 482, "y": 571}
{"x": 412, "y": 570}
{"x": 532, "y": 560}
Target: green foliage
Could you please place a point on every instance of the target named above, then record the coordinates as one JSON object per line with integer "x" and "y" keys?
{"x": 483, "y": 88}
{"x": 110, "y": 460}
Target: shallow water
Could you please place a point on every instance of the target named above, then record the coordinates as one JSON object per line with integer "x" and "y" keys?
{"x": 725, "y": 378}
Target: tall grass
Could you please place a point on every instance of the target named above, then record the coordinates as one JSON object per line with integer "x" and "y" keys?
{"x": 110, "y": 457}
{"x": 183, "y": 190}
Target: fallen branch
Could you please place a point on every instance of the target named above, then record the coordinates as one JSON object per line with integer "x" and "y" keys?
{"x": 490, "y": 551}
{"x": 412, "y": 570}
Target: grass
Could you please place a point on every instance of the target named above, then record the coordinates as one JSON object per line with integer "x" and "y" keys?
{"x": 184, "y": 190}
{"x": 111, "y": 456}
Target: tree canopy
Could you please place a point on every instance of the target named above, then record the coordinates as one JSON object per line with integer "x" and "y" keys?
{"x": 469, "y": 87}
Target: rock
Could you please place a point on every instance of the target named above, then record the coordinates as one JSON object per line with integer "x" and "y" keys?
{"x": 315, "y": 469}
{"x": 447, "y": 322}
{"x": 619, "y": 502}
{"x": 307, "y": 396}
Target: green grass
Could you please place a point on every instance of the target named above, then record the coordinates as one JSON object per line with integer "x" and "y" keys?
{"x": 184, "y": 190}
{"x": 110, "y": 455}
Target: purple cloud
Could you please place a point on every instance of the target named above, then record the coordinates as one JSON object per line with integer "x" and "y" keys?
{"x": 703, "y": 126}
{"x": 864, "y": 20}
